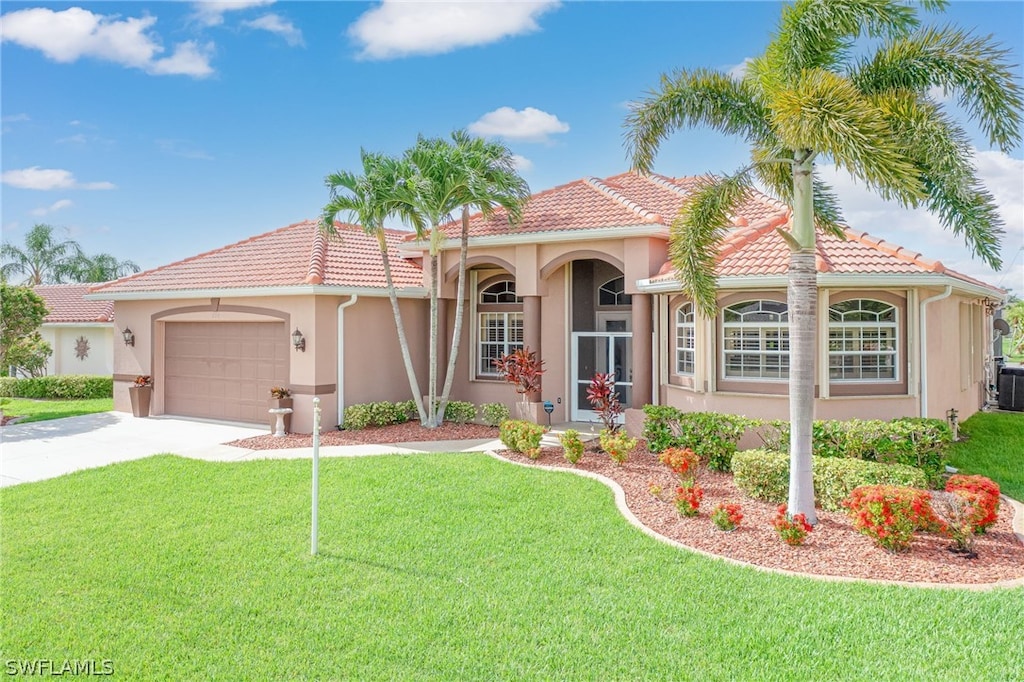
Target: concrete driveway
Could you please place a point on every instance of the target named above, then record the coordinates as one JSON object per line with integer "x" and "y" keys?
{"x": 41, "y": 450}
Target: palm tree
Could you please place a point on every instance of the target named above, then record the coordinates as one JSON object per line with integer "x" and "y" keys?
{"x": 43, "y": 260}
{"x": 808, "y": 97}
{"x": 102, "y": 267}
{"x": 381, "y": 192}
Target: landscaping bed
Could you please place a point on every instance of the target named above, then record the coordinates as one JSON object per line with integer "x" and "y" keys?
{"x": 834, "y": 548}
{"x": 408, "y": 432}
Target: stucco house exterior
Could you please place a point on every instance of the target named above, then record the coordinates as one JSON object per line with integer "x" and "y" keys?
{"x": 80, "y": 332}
{"x": 585, "y": 281}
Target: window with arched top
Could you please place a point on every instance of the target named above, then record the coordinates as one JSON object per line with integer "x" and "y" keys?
{"x": 613, "y": 292}
{"x": 686, "y": 339}
{"x": 863, "y": 342}
{"x": 499, "y": 324}
{"x": 755, "y": 340}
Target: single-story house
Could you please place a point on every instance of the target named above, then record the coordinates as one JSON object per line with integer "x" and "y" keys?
{"x": 80, "y": 332}
{"x": 584, "y": 280}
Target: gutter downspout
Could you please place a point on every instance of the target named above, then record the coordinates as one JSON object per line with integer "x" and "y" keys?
{"x": 341, "y": 356}
{"x": 924, "y": 346}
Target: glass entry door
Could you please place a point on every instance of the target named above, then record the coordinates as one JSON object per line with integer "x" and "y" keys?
{"x": 604, "y": 352}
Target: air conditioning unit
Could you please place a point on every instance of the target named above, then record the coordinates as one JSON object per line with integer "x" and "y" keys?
{"x": 1011, "y": 388}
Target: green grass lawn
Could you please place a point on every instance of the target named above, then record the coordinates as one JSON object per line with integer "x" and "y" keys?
{"x": 437, "y": 567}
{"x": 41, "y": 410}
{"x": 994, "y": 447}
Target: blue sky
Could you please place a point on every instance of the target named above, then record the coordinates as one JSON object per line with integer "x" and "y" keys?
{"x": 155, "y": 131}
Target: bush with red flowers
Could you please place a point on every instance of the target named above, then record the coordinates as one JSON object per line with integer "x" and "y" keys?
{"x": 682, "y": 462}
{"x": 688, "y": 499}
{"x": 726, "y": 515}
{"x": 980, "y": 494}
{"x": 890, "y": 515}
{"x": 792, "y": 529}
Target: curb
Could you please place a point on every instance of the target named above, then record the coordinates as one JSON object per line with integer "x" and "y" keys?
{"x": 620, "y": 502}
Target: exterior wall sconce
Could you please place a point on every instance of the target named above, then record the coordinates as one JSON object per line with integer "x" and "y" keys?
{"x": 129, "y": 336}
{"x": 298, "y": 340}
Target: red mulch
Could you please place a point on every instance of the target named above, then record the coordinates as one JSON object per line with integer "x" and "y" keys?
{"x": 409, "y": 432}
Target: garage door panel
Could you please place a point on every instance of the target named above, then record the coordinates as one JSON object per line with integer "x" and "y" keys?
{"x": 224, "y": 370}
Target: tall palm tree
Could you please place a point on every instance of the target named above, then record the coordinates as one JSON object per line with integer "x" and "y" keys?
{"x": 44, "y": 260}
{"x": 381, "y": 192}
{"x": 102, "y": 267}
{"x": 811, "y": 96}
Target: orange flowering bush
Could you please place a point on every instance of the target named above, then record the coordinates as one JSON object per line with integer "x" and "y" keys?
{"x": 726, "y": 515}
{"x": 980, "y": 495}
{"x": 688, "y": 499}
{"x": 792, "y": 529}
{"x": 682, "y": 462}
{"x": 890, "y": 515}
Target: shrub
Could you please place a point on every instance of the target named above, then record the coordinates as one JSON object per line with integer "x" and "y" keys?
{"x": 406, "y": 411}
{"x": 981, "y": 494}
{"x": 711, "y": 435}
{"x": 617, "y": 444}
{"x": 764, "y": 475}
{"x": 60, "y": 387}
{"x": 356, "y": 417}
{"x": 494, "y": 413}
{"x": 521, "y": 436}
{"x": 460, "y": 411}
{"x": 726, "y": 515}
{"x": 523, "y": 369}
{"x": 604, "y": 398}
{"x": 682, "y": 462}
{"x": 792, "y": 529}
{"x": 383, "y": 413}
{"x": 572, "y": 445}
{"x": 957, "y": 513}
{"x": 688, "y": 499}
{"x": 890, "y": 515}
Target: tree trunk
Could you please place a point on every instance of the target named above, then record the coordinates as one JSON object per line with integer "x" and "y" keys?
{"x": 414, "y": 384}
{"x": 460, "y": 306}
{"x": 432, "y": 420}
{"x": 802, "y": 298}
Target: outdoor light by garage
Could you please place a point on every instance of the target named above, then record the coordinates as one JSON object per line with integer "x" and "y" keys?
{"x": 298, "y": 340}
{"x": 129, "y": 336}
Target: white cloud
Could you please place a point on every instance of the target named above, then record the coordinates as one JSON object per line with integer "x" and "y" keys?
{"x": 528, "y": 125}
{"x": 52, "y": 208}
{"x": 398, "y": 28}
{"x": 274, "y": 23}
{"x": 521, "y": 163}
{"x": 74, "y": 33}
{"x": 738, "y": 71}
{"x": 15, "y": 118}
{"x": 78, "y": 138}
{"x": 212, "y": 13}
{"x": 47, "y": 179}
{"x": 183, "y": 148}
{"x": 919, "y": 230}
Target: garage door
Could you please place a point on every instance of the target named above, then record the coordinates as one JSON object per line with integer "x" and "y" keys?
{"x": 223, "y": 370}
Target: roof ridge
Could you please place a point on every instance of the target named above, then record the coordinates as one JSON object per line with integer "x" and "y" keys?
{"x": 896, "y": 251}
{"x": 317, "y": 259}
{"x": 747, "y": 234}
{"x": 100, "y": 288}
{"x": 645, "y": 214}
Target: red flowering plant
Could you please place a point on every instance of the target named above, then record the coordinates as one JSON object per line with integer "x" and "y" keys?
{"x": 688, "y": 499}
{"x": 605, "y": 400}
{"x": 682, "y": 462}
{"x": 792, "y": 529}
{"x": 890, "y": 515}
{"x": 980, "y": 495}
{"x": 726, "y": 515}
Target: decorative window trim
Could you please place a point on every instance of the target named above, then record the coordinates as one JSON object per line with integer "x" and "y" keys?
{"x": 763, "y": 339}
{"x": 612, "y": 294}
{"x": 861, "y": 333}
{"x": 686, "y": 340}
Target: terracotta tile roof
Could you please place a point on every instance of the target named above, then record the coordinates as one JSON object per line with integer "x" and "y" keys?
{"x": 290, "y": 256}
{"x": 65, "y": 303}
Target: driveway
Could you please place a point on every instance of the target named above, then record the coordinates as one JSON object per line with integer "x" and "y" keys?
{"x": 41, "y": 450}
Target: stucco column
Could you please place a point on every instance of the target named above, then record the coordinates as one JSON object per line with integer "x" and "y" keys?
{"x": 531, "y": 332}
{"x": 642, "y": 367}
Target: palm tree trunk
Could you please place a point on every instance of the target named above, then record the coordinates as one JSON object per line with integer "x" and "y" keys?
{"x": 803, "y": 302}
{"x": 403, "y": 342}
{"x": 460, "y": 306}
{"x": 432, "y": 381}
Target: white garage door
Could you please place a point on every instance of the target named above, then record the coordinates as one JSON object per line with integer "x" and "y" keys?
{"x": 223, "y": 370}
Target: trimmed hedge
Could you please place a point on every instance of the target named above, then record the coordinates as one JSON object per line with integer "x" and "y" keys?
{"x": 711, "y": 435}
{"x": 60, "y": 387}
{"x": 910, "y": 441}
{"x": 764, "y": 475}
{"x": 494, "y": 413}
{"x": 521, "y": 436}
{"x": 460, "y": 412}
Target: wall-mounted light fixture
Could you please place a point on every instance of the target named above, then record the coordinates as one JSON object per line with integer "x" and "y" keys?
{"x": 298, "y": 340}
{"x": 129, "y": 336}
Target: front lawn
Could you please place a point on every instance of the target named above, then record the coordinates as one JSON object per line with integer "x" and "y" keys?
{"x": 41, "y": 410}
{"x": 993, "y": 447}
{"x": 444, "y": 567}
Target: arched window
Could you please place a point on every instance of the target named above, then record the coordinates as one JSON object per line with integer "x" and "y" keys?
{"x": 500, "y": 324}
{"x": 862, "y": 341}
{"x": 755, "y": 340}
{"x": 686, "y": 339}
{"x": 613, "y": 292}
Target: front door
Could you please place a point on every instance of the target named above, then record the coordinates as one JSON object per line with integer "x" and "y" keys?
{"x": 607, "y": 352}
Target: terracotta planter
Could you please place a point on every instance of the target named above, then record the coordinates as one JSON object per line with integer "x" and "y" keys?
{"x": 278, "y": 403}
{"x": 141, "y": 397}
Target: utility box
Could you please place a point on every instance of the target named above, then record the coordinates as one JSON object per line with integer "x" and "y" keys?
{"x": 1011, "y": 388}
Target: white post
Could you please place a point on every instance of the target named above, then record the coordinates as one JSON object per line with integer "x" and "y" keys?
{"x": 316, "y": 472}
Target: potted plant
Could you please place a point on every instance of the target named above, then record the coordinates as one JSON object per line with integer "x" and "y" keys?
{"x": 281, "y": 397}
{"x": 141, "y": 394}
{"x": 523, "y": 369}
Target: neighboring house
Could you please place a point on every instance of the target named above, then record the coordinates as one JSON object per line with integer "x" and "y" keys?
{"x": 584, "y": 280}
{"x": 80, "y": 332}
